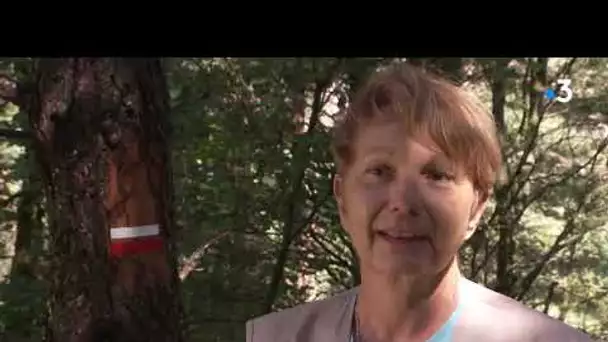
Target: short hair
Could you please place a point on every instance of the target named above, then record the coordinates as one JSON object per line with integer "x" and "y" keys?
{"x": 455, "y": 120}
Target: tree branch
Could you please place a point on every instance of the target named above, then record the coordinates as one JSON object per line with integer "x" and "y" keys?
{"x": 566, "y": 175}
{"x": 558, "y": 245}
{"x": 489, "y": 251}
{"x": 300, "y": 153}
{"x": 11, "y": 134}
{"x": 311, "y": 215}
{"x": 192, "y": 261}
{"x": 549, "y": 297}
{"x": 565, "y": 69}
{"x": 326, "y": 246}
{"x": 336, "y": 277}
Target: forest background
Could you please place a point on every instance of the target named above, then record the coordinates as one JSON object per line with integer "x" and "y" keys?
{"x": 255, "y": 225}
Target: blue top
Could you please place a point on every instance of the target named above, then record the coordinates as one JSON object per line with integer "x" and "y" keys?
{"x": 444, "y": 334}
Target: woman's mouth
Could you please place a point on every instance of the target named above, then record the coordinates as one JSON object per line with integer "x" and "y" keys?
{"x": 405, "y": 240}
{"x": 402, "y": 236}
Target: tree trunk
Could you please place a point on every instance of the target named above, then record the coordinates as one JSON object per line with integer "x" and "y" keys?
{"x": 27, "y": 229}
{"x": 498, "y": 83}
{"x": 100, "y": 128}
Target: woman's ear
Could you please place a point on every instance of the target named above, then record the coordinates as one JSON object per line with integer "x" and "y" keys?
{"x": 338, "y": 184}
{"x": 478, "y": 207}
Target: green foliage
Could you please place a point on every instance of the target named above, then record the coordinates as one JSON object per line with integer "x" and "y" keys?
{"x": 22, "y": 305}
{"x": 22, "y": 294}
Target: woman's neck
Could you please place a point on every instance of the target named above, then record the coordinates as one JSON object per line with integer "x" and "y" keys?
{"x": 406, "y": 308}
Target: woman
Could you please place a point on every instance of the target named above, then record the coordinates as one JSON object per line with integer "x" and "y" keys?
{"x": 416, "y": 162}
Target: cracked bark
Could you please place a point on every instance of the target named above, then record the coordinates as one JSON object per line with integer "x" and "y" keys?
{"x": 99, "y": 128}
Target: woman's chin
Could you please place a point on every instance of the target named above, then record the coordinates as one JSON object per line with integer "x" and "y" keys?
{"x": 404, "y": 257}
{"x": 403, "y": 267}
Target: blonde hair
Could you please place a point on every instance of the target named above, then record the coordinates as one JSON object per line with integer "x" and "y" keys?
{"x": 456, "y": 121}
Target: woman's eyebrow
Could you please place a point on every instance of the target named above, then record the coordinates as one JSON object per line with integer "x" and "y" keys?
{"x": 376, "y": 150}
{"x": 442, "y": 161}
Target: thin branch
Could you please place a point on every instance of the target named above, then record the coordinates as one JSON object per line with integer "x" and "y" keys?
{"x": 325, "y": 245}
{"x": 565, "y": 69}
{"x": 11, "y": 134}
{"x": 489, "y": 251}
{"x": 354, "y": 268}
{"x": 527, "y": 178}
{"x": 336, "y": 277}
{"x": 559, "y": 244}
{"x": 528, "y": 200}
{"x": 549, "y": 298}
{"x": 311, "y": 215}
{"x": 192, "y": 261}
{"x": 568, "y": 174}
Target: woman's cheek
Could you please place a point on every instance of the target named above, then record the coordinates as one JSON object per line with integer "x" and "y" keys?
{"x": 440, "y": 196}
{"x": 448, "y": 215}
{"x": 375, "y": 193}
{"x": 365, "y": 202}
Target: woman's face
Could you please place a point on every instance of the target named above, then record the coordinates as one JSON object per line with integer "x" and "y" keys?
{"x": 406, "y": 207}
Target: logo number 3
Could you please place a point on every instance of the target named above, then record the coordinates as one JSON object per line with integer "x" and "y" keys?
{"x": 565, "y": 93}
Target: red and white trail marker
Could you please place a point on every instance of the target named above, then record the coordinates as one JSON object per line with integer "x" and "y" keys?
{"x": 126, "y": 241}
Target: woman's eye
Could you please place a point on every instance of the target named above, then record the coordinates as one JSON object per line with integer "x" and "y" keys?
{"x": 378, "y": 171}
{"x": 437, "y": 175}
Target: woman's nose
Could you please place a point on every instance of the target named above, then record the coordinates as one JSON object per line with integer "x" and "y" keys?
{"x": 405, "y": 197}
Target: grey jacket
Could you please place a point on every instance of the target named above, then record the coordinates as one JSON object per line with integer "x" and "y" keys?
{"x": 486, "y": 316}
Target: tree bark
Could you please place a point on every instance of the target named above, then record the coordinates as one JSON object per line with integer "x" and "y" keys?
{"x": 100, "y": 131}
{"x": 28, "y": 230}
{"x": 498, "y": 82}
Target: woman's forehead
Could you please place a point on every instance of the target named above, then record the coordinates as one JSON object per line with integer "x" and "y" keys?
{"x": 387, "y": 136}
{"x": 379, "y": 142}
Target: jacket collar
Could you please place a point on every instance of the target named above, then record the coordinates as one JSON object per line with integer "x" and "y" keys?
{"x": 339, "y": 327}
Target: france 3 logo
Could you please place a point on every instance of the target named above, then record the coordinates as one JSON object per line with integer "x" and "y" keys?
{"x": 562, "y": 94}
